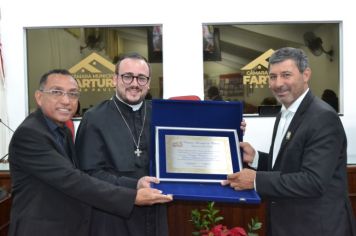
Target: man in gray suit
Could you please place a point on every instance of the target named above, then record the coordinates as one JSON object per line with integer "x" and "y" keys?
{"x": 50, "y": 195}
{"x": 303, "y": 178}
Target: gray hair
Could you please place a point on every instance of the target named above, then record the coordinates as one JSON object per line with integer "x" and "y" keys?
{"x": 295, "y": 54}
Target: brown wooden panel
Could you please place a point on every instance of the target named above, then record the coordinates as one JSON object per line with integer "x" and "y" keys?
{"x": 351, "y": 173}
{"x": 179, "y": 214}
{"x": 5, "y": 207}
{"x": 179, "y": 211}
{"x": 234, "y": 214}
{"x": 5, "y": 203}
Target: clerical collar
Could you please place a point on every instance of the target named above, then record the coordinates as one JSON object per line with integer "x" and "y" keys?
{"x": 134, "y": 107}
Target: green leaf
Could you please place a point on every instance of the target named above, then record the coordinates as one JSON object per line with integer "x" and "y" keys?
{"x": 214, "y": 212}
{"x": 257, "y": 226}
{"x": 207, "y": 218}
{"x": 217, "y": 219}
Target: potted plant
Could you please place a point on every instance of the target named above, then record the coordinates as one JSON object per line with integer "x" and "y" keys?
{"x": 206, "y": 223}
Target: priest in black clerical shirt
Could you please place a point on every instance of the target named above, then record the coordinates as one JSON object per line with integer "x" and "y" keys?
{"x": 113, "y": 140}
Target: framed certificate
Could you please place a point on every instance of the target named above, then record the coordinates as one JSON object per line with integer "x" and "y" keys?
{"x": 196, "y": 154}
{"x": 194, "y": 146}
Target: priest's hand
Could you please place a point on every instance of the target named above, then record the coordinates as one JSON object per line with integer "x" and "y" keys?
{"x": 145, "y": 182}
{"x": 150, "y": 196}
{"x": 241, "y": 180}
{"x": 248, "y": 152}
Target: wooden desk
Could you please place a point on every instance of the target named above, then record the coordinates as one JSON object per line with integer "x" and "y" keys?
{"x": 351, "y": 174}
{"x": 179, "y": 212}
{"x": 5, "y": 206}
{"x": 5, "y": 203}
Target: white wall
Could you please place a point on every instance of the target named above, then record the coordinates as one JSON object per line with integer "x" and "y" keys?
{"x": 183, "y": 67}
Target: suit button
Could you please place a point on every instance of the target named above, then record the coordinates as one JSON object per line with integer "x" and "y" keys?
{"x": 273, "y": 203}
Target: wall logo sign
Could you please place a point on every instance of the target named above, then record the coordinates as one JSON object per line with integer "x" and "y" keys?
{"x": 94, "y": 74}
{"x": 255, "y": 73}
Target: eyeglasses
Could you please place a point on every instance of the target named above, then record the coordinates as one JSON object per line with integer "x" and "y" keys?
{"x": 128, "y": 78}
{"x": 60, "y": 93}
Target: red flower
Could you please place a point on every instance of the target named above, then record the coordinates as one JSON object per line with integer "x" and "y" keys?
{"x": 221, "y": 230}
{"x": 238, "y": 231}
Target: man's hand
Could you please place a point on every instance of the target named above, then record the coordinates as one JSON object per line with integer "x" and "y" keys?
{"x": 243, "y": 126}
{"x": 248, "y": 152}
{"x": 150, "y": 196}
{"x": 241, "y": 180}
{"x": 145, "y": 182}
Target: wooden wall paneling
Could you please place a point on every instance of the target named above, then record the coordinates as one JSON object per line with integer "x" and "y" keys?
{"x": 351, "y": 173}
{"x": 179, "y": 212}
{"x": 5, "y": 203}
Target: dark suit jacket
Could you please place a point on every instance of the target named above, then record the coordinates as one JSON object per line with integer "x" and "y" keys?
{"x": 306, "y": 190}
{"x": 51, "y": 196}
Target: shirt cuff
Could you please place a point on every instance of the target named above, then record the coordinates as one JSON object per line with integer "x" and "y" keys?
{"x": 254, "y": 163}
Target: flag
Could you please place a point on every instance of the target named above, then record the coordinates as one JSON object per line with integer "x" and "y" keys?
{"x": 5, "y": 133}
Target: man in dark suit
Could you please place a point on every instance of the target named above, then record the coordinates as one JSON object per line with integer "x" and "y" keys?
{"x": 303, "y": 177}
{"x": 50, "y": 195}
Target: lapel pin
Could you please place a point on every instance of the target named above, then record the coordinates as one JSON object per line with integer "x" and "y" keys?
{"x": 289, "y": 134}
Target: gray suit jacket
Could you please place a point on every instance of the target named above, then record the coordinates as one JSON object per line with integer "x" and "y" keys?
{"x": 306, "y": 190}
{"x": 51, "y": 196}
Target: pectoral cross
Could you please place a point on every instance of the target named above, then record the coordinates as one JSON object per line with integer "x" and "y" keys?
{"x": 138, "y": 152}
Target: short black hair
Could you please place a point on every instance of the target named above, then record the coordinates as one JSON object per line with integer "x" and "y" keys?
{"x": 213, "y": 91}
{"x": 331, "y": 98}
{"x": 44, "y": 77}
{"x": 131, "y": 55}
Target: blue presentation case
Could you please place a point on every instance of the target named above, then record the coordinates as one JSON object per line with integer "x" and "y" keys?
{"x": 210, "y": 115}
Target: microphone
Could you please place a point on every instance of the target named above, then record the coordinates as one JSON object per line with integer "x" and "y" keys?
{"x": 6, "y": 125}
{"x": 3, "y": 158}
